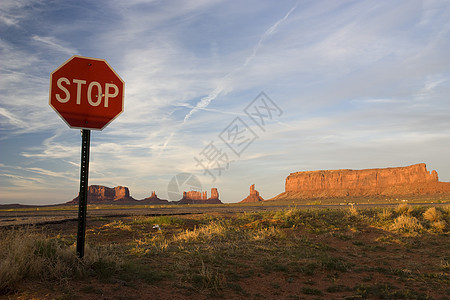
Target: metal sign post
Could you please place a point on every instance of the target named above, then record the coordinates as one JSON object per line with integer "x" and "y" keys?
{"x": 82, "y": 198}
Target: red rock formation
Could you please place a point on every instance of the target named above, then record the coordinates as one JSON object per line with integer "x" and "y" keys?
{"x": 214, "y": 199}
{"x": 411, "y": 180}
{"x": 98, "y": 194}
{"x": 253, "y": 197}
{"x": 214, "y": 194}
{"x": 153, "y": 199}
{"x": 121, "y": 192}
{"x": 195, "y": 197}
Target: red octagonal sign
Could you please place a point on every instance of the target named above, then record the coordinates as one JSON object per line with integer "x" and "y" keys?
{"x": 86, "y": 92}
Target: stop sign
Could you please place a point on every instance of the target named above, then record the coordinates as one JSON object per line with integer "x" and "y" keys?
{"x": 86, "y": 92}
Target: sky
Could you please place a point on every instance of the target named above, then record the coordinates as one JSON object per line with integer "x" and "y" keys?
{"x": 229, "y": 93}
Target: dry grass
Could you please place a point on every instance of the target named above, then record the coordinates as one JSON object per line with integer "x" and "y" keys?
{"x": 215, "y": 230}
{"x": 215, "y": 234}
{"x": 353, "y": 210}
{"x": 439, "y": 226}
{"x": 432, "y": 215}
{"x": 415, "y": 220}
{"x": 385, "y": 214}
{"x": 445, "y": 265}
{"x": 435, "y": 218}
{"x": 209, "y": 279}
{"x": 269, "y": 233}
{"x": 219, "y": 256}
{"x": 403, "y": 209}
{"x": 406, "y": 224}
{"x": 31, "y": 254}
{"x": 118, "y": 225}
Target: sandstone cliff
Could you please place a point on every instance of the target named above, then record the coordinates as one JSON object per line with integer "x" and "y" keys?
{"x": 253, "y": 196}
{"x": 196, "y": 197}
{"x": 214, "y": 194}
{"x": 411, "y": 180}
{"x": 102, "y": 194}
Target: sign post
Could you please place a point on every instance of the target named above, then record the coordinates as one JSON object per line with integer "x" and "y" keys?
{"x": 87, "y": 94}
{"x": 82, "y": 198}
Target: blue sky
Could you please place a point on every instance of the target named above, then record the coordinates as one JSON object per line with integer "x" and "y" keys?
{"x": 357, "y": 84}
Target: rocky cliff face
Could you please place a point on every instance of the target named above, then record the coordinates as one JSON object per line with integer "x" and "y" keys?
{"x": 411, "y": 180}
{"x": 103, "y": 194}
{"x": 214, "y": 194}
{"x": 253, "y": 196}
{"x": 196, "y": 197}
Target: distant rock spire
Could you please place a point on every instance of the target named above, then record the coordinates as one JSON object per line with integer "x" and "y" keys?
{"x": 254, "y": 196}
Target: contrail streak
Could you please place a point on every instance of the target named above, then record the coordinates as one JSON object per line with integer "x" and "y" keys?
{"x": 205, "y": 101}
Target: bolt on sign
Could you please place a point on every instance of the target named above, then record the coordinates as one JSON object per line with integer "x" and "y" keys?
{"x": 86, "y": 93}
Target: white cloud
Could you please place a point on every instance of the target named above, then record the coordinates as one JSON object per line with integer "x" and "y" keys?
{"x": 53, "y": 44}
{"x": 12, "y": 11}
{"x": 11, "y": 118}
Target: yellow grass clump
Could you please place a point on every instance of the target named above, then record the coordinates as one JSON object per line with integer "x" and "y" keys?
{"x": 435, "y": 218}
{"x": 385, "y": 214}
{"x": 403, "y": 209}
{"x": 353, "y": 210}
{"x": 432, "y": 214}
{"x": 204, "y": 233}
{"x": 439, "y": 226}
{"x": 405, "y": 223}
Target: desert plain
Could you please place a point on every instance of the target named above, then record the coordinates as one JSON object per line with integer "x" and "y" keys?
{"x": 274, "y": 249}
